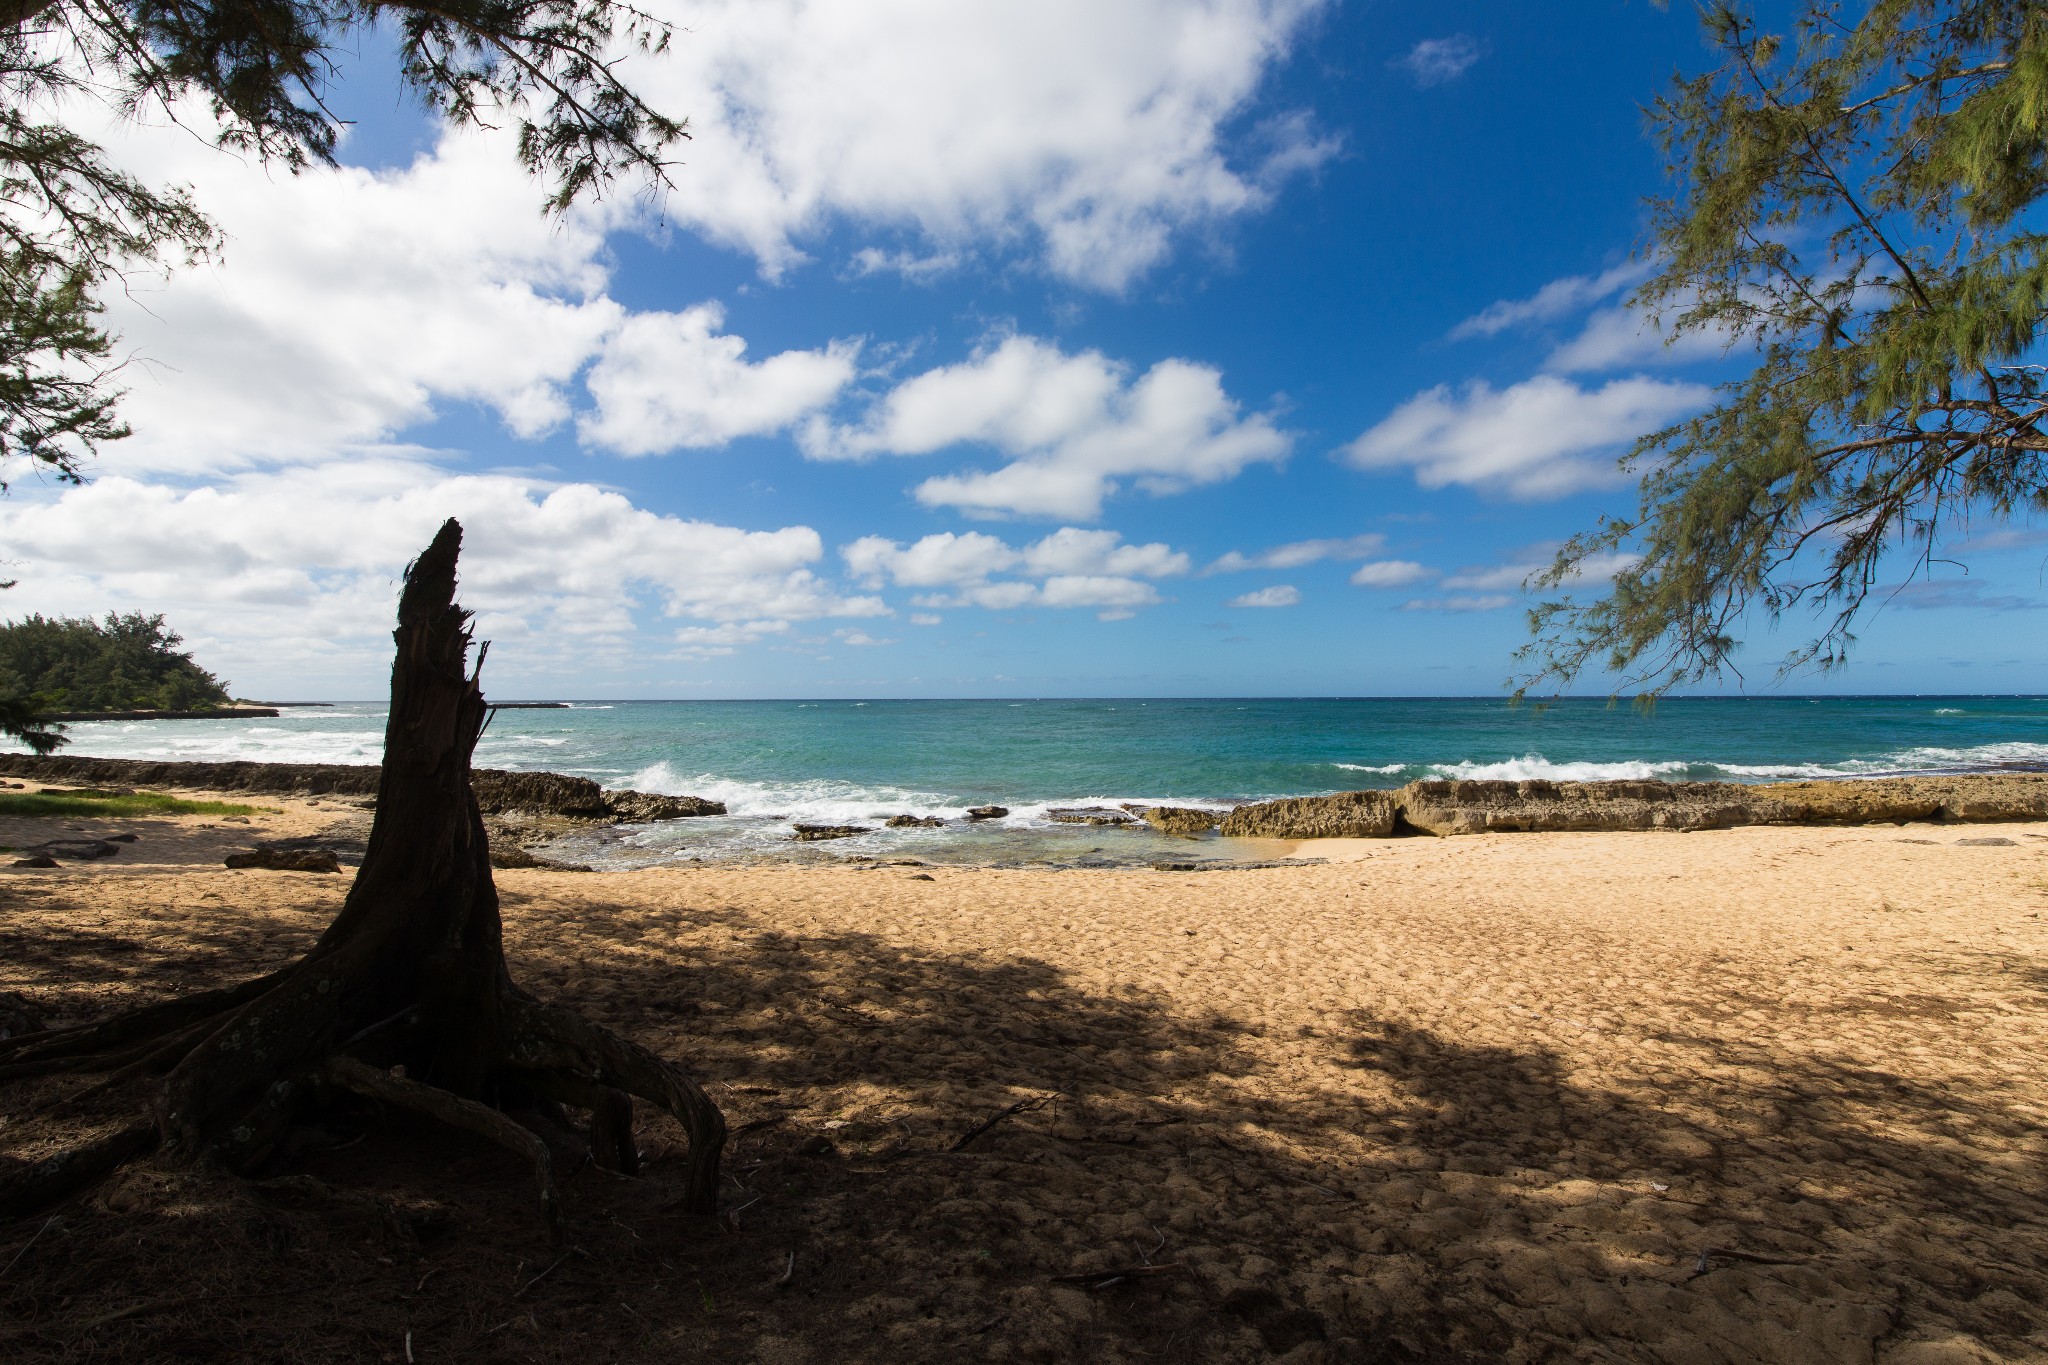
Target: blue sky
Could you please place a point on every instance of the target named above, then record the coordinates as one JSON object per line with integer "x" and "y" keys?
{"x": 1015, "y": 349}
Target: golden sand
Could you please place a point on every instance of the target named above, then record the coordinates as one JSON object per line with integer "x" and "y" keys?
{"x": 1763, "y": 1094}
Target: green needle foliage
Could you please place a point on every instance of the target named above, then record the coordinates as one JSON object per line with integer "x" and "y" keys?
{"x": 1857, "y": 201}
{"x": 71, "y": 224}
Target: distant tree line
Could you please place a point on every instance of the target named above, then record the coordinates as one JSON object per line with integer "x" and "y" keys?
{"x": 122, "y": 663}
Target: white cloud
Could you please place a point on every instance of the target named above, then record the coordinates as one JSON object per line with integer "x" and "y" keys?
{"x": 859, "y": 638}
{"x": 1615, "y": 338}
{"x": 1390, "y": 573}
{"x": 925, "y": 618}
{"x": 1086, "y": 134}
{"x": 705, "y": 642}
{"x": 1543, "y": 437}
{"x": 1480, "y": 602}
{"x": 1074, "y": 427}
{"x": 349, "y": 304}
{"x": 348, "y": 301}
{"x": 1279, "y": 595}
{"x": 1492, "y": 579}
{"x": 293, "y": 569}
{"x": 1435, "y": 61}
{"x": 669, "y": 380}
{"x": 1299, "y": 553}
{"x": 1077, "y": 568}
{"x": 1553, "y": 300}
{"x": 1594, "y": 569}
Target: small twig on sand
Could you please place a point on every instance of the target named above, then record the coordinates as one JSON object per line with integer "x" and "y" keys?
{"x": 572, "y": 1251}
{"x": 26, "y": 1245}
{"x": 1020, "y": 1107}
{"x": 788, "y": 1272}
{"x": 1707, "y": 1256}
{"x": 1103, "y": 1279}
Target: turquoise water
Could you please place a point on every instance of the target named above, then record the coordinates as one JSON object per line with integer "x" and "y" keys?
{"x": 859, "y": 762}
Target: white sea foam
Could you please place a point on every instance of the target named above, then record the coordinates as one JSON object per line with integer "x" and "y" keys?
{"x": 1948, "y": 710}
{"x": 1372, "y": 767}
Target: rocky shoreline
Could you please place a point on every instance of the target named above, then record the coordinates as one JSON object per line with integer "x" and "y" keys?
{"x": 1483, "y": 807}
{"x": 548, "y": 796}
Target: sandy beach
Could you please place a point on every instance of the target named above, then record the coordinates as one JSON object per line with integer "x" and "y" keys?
{"x": 1763, "y": 1094}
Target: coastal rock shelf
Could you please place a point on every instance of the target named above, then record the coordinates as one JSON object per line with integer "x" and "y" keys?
{"x": 497, "y": 792}
{"x": 1481, "y": 807}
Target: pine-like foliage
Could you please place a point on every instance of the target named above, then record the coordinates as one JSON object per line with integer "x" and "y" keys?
{"x": 71, "y": 224}
{"x": 125, "y": 663}
{"x": 1858, "y": 201}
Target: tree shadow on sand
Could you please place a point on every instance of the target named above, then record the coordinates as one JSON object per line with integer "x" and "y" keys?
{"x": 1379, "y": 1193}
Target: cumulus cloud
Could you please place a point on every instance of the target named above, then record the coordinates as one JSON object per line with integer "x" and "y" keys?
{"x": 665, "y": 381}
{"x": 1557, "y": 299}
{"x": 1299, "y": 553}
{"x": 1437, "y": 61}
{"x": 1390, "y": 573}
{"x": 349, "y": 303}
{"x": 1279, "y": 595}
{"x": 1088, "y": 135}
{"x": 1075, "y": 429}
{"x": 293, "y": 569}
{"x": 1076, "y": 568}
{"x": 1541, "y": 438}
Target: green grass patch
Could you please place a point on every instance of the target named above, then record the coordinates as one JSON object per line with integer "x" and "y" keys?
{"x": 110, "y": 805}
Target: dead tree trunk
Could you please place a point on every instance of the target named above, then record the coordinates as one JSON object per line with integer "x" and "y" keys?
{"x": 405, "y": 1000}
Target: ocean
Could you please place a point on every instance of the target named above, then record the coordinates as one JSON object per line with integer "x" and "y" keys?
{"x": 859, "y": 762}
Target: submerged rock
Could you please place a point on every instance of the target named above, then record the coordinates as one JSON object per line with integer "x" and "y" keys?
{"x": 1185, "y": 821}
{"x": 914, "y": 822}
{"x": 1088, "y": 815}
{"x": 812, "y": 833}
{"x": 987, "y": 812}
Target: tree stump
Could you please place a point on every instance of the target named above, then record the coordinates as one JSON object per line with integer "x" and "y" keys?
{"x": 405, "y": 1000}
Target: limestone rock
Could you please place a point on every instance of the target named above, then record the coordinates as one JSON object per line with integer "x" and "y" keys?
{"x": 513, "y": 856}
{"x": 76, "y": 849}
{"x": 915, "y": 822}
{"x": 1184, "y": 821}
{"x": 36, "y": 860}
{"x": 286, "y": 860}
{"x": 812, "y": 833}
{"x": 1347, "y": 815}
{"x": 1477, "y": 807}
{"x": 497, "y": 791}
{"x": 1088, "y": 815}
{"x": 641, "y": 807}
{"x": 1972, "y": 797}
{"x": 987, "y": 812}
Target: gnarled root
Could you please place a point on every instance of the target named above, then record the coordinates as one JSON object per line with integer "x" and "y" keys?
{"x": 548, "y": 1038}
{"x": 33, "y": 1187}
{"x": 451, "y": 1109}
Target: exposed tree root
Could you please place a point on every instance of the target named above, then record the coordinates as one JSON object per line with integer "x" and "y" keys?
{"x": 411, "y": 974}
